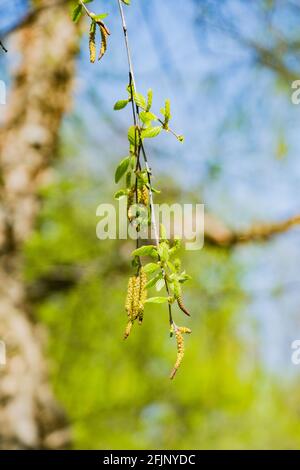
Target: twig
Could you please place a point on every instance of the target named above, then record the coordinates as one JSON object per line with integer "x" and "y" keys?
{"x": 85, "y": 8}
{"x": 3, "y": 47}
{"x": 141, "y": 145}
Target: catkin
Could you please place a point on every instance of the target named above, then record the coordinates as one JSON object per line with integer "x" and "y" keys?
{"x": 181, "y": 306}
{"x": 130, "y": 202}
{"x": 143, "y": 196}
{"x": 92, "y": 42}
{"x": 178, "y": 297}
{"x": 180, "y": 352}
{"x": 130, "y": 294}
{"x": 128, "y": 329}
{"x": 184, "y": 329}
{"x": 104, "y": 34}
{"x": 179, "y": 331}
{"x": 135, "y": 300}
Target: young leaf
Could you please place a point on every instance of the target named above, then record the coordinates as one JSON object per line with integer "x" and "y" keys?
{"x": 120, "y": 104}
{"x": 157, "y": 300}
{"x": 163, "y": 251}
{"x": 127, "y": 2}
{"x": 171, "y": 266}
{"x": 151, "y": 268}
{"x": 167, "y": 112}
{"x": 151, "y": 132}
{"x": 154, "y": 190}
{"x": 100, "y": 17}
{"x": 159, "y": 285}
{"x": 128, "y": 180}
{"x": 147, "y": 117}
{"x": 163, "y": 232}
{"x": 149, "y": 99}
{"x": 76, "y": 14}
{"x": 121, "y": 169}
{"x": 140, "y": 100}
{"x": 153, "y": 281}
{"x": 144, "y": 250}
{"x": 133, "y": 136}
{"x": 120, "y": 194}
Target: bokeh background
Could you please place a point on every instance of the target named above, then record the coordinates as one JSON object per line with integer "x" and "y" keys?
{"x": 227, "y": 68}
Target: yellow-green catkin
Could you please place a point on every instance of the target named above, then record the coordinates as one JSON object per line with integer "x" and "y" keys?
{"x": 135, "y": 300}
{"x": 143, "y": 196}
{"x": 178, "y": 297}
{"x": 180, "y": 352}
{"x": 129, "y": 297}
{"x": 104, "y": 34}
{"x": 128, "y": 329}
{"x": 143, "y": 295}
{"x": 92, "y": 42}
{"x": 179, "y": 331}
{"x": 130, "y": 202}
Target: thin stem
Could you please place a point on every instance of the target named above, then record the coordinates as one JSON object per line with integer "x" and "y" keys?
{"x": 85, "y": 8}
{"x": 3, "y": 47}
{"x": 136, "y": 117}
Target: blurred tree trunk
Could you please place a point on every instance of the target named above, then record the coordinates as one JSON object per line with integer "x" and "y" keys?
{"x": 29, "y": 415}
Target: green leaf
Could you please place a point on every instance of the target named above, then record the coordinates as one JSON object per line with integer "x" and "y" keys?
{"x": 128, "y": 180}
{"x": 163, "y": 251}
{"x": 147, "y": 117}
{"x": 142, "y": 176}
{"x": 132, "y": 162}
{"x": 133, "y": 136}
{"x": 121, "y": 169}
{"x": 100, "y": 17}
{"x": 153, "y": 281}
{"x": 151, "y": 132}
{"x": 154, "y": 190}
{"x": 163, "y": 232}
{"x": 144, "y": 250}
{"x": 167, "y": 111}
{"x": 151, "y": 268}
{"x": 180, "y": 138}
{"x": 159, "y": 285}
{"x": 149, "y": 99}
{"x": 120, "y": 104}
{"x": 120, "y": 194}
{"x": 140, "y": 100}
{"x": 184, "y": 277}
{"x": 171, "y": 266}
{"x": 76, "y": 14}
{"x": 127, "y": 2}
{"x": 157, "y": 300}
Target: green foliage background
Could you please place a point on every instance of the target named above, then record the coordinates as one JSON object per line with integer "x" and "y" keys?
{"x": 117, "y": 393}
{"x": 241, "y": 153}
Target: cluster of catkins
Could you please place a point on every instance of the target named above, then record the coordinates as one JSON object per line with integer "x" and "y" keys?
{"x": 104, "y": 32}
{"x": 135, "y": 300}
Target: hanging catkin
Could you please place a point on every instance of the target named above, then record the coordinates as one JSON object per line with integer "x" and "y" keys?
{"x": 92, "y": 42}
{"x": 179, "y": 331}
{"x": 135, "y": 299}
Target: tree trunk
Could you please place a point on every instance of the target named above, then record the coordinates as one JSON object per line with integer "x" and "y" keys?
{"x": 29, "y": 414}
